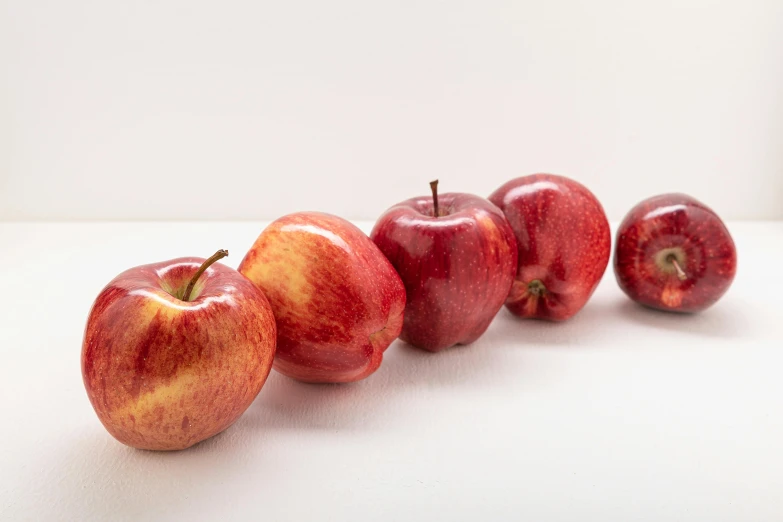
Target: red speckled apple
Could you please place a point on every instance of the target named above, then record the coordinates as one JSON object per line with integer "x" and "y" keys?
{"x": 674, "y": 253}
{"x": 457, "y": 257}
{"x": 564, "y": 244}
{"x": 175, "y": 352}
{"x": 337, "y": 300}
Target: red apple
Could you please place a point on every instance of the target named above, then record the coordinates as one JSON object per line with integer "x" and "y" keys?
{"x": 674, "y": 253}
{"x": 457, "y": 257}
{"x": 175, "y": 352}
{"x": 563, "y": 240}
{"x": 337, "y": 300}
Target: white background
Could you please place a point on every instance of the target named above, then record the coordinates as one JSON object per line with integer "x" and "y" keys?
{"x": 620, "y": 414}
{"x": 249, "y": 110}
{"x": 240, "y": 110}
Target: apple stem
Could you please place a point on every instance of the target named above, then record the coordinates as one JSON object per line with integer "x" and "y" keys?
{"x": 434, "y": 188}
{"x": 220, "y": 254}
{"x": 681, "y": 275}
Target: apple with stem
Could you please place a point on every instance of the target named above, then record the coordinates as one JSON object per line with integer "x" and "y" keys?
{"x": 175, "y": 352}
{"x": 564, "y": 243}
{"x": 457, "y": 257}
{"x": 674, "y": 253}
{"x": 337, "y": 300}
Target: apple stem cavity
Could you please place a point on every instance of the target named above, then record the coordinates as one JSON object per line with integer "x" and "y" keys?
{"x": 220, "y": 254}
{"x": 536, "y": 287}
{"x": 681, "y": 275}
{"x": 434, "y": 188}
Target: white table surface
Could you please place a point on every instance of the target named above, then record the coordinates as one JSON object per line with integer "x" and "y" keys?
{"x": 620, "y": 414}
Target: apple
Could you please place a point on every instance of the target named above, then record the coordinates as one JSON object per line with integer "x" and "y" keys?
{"x": 457, "y": 257}
{"x": 564, "y": 244}
{"x": 674, "y": 253}
{"x": 175, "y": 352}
{"x": 337, "y": 300}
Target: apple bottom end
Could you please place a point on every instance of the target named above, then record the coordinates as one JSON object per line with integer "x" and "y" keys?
{"x": 426, "y": 341}
{"x": 140, "y": 446}
{"x": 521, "y": 312}
{"x": 431, "y": 349}
{"x": 526, "y": 304}
{"x": 325, "y": 376}
{"x": 657, "y": 307}
{"x": 319, "y": 381}
{"x": 437, "y": 348}
{"x": 166, "y": 449}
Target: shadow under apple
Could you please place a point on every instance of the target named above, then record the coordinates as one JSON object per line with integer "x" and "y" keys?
{"x": 288, "y": 404}
{"x": 591, "y": 325}
{"x": 118, "y": 482}
{"x": 720, "y": 321}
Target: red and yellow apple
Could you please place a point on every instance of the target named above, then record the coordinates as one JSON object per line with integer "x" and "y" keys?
{"x": 564, "y": 244}
{"x": 457, "y": 257}
{"x": 175, "y": 352}
{"x": 674, "y": 253}
{"x": 337, "y": 300}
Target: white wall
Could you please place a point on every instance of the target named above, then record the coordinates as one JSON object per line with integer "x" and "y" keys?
{"x": 247, "y": 110}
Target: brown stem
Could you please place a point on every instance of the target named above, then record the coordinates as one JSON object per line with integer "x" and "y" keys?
{"x": 681, "y": 275}
{"x": 434, "y": 188}
{"x": 220, "y": 254}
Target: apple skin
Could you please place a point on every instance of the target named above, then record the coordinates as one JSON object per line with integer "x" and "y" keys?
{"x": 564, "y": 244}
{"x": 680, "y": 226}
{"x": 457, "y": 268}
{"x": 337, "y": 300}
{"x": 164, "y": 374}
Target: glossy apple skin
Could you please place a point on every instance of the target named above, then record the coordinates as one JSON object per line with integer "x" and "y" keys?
{"x": 674, "y": 221}
{"x": 164, "y": 374}
{"x": 564, "y": 242}
{"x": 457, "y": 268}
{"x": 337, "y": 300}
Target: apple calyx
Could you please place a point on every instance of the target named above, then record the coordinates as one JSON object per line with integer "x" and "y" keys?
{"x": 536, "y": 287}
{"x": 220, "y": 254}
{"x": 434, "y": 188}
